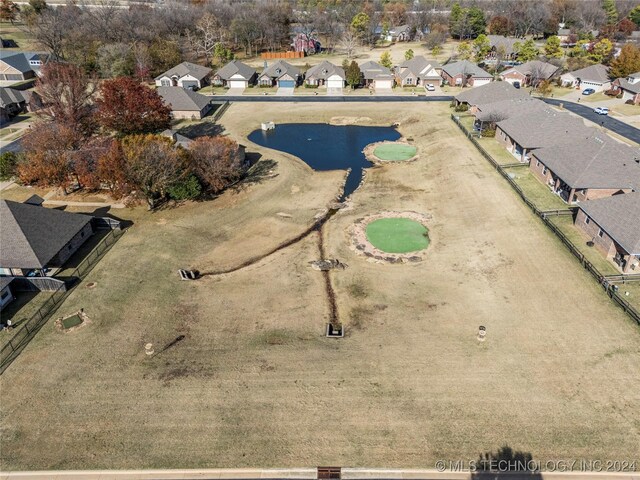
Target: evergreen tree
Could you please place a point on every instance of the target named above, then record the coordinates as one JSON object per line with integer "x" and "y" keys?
{"x": 552, "y": 48}
{"x": 354, "y": 76}
{"x": 610, "y": 10}
{"x": 385, "y": 60}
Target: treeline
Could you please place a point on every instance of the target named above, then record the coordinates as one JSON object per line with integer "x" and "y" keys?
{"x": 145, "y": 40}
{"x": 105, "y": 138}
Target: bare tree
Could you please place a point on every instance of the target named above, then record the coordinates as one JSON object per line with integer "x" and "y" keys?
{"x": 204, "y": 36}
{"x": 349, "y": 43}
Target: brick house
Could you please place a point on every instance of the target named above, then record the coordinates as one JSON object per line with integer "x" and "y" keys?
{"x": 465, "y": 74}
{"x": 185, "y": 75}
{"x": 587, "y": 168}
{"x": 377, "y": 76}
{"x": 630, "y": 87}
{"x": 537, "y": 128}
{"x": 613, "y": 224}
{"x": 593, "y": 76}
{"x": 235, "y": 74}
{"x": 487, "y": 115}
{"x": 529, "y": 73}
{"x": 280, "y": 74}
{"x": 419, "y": 71}
{"x": 185, "y": 103}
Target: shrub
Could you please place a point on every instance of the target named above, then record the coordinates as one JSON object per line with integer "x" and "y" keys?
{"x": 463, "y": 107}
{"x": 265, "y": 85}
{"x": 488, "y": 132}
{"x": 8, "y": 163}
{"x": 306, "y": 85}
{"x": 187, "y": 189}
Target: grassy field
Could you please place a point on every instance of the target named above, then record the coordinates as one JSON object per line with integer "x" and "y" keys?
{"x": 535, "y": 191}
{"x": 397, "y": 235}
{"x": 247, "y": 377}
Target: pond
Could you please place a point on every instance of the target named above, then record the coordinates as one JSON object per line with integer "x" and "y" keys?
{"x": 327, "y": 147}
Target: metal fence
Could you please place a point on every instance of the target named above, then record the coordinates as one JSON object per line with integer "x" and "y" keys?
{"x": 31, "y": 326}
{"x": 604, "y": 280}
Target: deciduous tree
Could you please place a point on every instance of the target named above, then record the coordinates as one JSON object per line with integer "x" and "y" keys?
{"x": 9, "y": 11}
{"x": 216, "y": 161}
{"x": 128, "y": 107}
{"x": 385, "y": 60}
{"x": 552, "y": 47}
{"x": 66, "y": 93}
{"x": 408, "y": 55}
{"x": 526, "y": 51}
{"x": 481, "y": 46}
{"x": 628, "y": 62}
{"x": 499, "y": 25}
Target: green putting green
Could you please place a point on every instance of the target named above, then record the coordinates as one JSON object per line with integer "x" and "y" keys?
{"x": 395, "y": 152}
{"x": 72, "y": 321}
{"x": 397, "y": 235}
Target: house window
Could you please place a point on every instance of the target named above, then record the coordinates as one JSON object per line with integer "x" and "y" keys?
{"x": 537, "y": 163}
{"x": 587, "y": 220}
{"x": 544, "y": 170}
{"x": 600, "y": 233}
{"x": 409, "y": 81}
{"x": 4, "y": 295}
{"x": 165, "y": 83}
{"x": 82, "y": 234}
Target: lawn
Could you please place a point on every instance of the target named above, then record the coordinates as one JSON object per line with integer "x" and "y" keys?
{"x": 397, "y": 235}
{"x": 541, "y": 196}
{"x": 18, "y": 33}
{"x": 580, "y": 239}
{"x": 497, "y": 151}
{"x": 245, "y": 371}
{"x": 594, "y": 97}
{"x": 624, "y": 109}
{"x": 395, "y": 152}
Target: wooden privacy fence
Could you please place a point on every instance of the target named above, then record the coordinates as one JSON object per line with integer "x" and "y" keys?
{"x": 29, "y": 327}
{"x": 604, "y": 280}
{"x": 276, "y": 55}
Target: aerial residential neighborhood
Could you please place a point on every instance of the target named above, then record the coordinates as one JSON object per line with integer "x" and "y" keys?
{"x": 290, "y": 239}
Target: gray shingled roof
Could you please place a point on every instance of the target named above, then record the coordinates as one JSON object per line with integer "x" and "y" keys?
{"x": 465, "y": 66}
{"x": 497, "y": 41}
{"x": 16, "y": 60}
{"x": 9, "y": 96}
{"x": 324, "y": 70}
{"x": 4, "y": 281}
{"x": 619, "y": 216}
{"x": 543, "y": 128}
{"x": 541, "y": 69}
{"x": 489, "y": 93}
{"x": 418, "y": 66}
{"x": 181, "y": 99}
{"x": 593, "y": 73}
{"x": 32, "y": 236}
{"x": 281, "y": 68}
{"x": 187, "y": 68}
{"x": 632, "y": 87}
{"x": 373, "y": 70}
{"x": 508, "y": 108}
{"x": 596, "y": 161}
{"x": 236, "y": 67}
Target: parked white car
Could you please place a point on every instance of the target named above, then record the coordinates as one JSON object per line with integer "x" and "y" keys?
{"x": 601, "y": 110}
{"x": 430, "y": 87}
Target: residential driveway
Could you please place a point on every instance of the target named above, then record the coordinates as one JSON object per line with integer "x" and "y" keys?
{"x": 234, "y": 91}
{"x": 384, "y": 91}
{"x": 285, "y": 92}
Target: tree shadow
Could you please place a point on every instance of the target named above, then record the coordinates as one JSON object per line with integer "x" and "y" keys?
{"x": 12, "y": 311}
{"x": 258, "y": 172}
{"x": 202, "y": 129}
{"x": 506, "y": 461}
{"x": 106, "y": 212}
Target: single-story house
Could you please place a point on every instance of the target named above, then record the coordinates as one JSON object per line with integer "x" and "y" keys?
{"x": 185, "y": 103}
{"x": 501, "y": 47}
{"x": 564, "y": 34}
{"x": 401, "y": 33}
{"x": 419, "y": 71}
{"x": 488, "y": 114}
{"x": 235, "y": 74}
{"x": 613, "y": 224}
{"x": 376, "y": 76}
{"x": 544, "y": 127}
{"x": 281, "y": 74}
{"x": 489, "y": 93}
{"x": 630, "y": 87}
{"x": 12, "y": 103}
{"x": 587, "y": 168}
{"x": 529, "y": 73}
{"x": 185, "y": 75}
{"x": 326, "y": 74}
{"x": 36, "y": 239}
{"x": 6, "y": 296}
{"x": 15, "y": 67}
{"x": 593, "y": 76}
{"x": 465, "y": 73}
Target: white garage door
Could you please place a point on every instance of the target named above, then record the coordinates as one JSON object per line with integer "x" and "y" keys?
{"x": 335, "y": 84}
{"x": 480, "y": 82}
{"x": 237, "y": 84}
{"x": 384, "y": 84}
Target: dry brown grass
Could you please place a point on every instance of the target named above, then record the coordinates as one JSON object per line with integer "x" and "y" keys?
{"x": 254, "y": 383}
